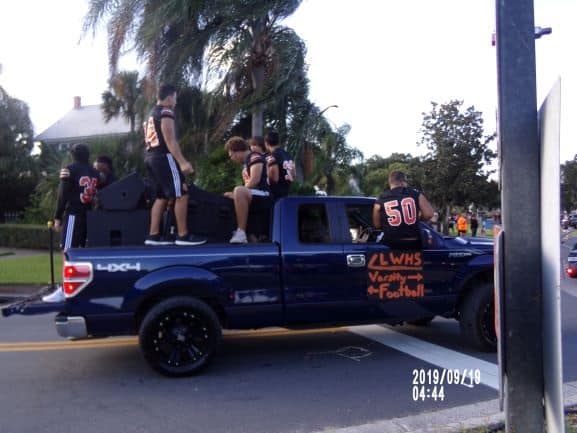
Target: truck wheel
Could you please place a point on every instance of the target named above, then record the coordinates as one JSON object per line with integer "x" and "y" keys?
{"x": 425, "y": 321}
{"x": 477, "y": 318}
{"x": 179, "y": 336}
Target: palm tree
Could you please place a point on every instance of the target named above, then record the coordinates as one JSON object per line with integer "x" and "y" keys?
{"x": 335, "y": 156}
{"x": 127, "y": 96}
{"x": 174, "y": 37}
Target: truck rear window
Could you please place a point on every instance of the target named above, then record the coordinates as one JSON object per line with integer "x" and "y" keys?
{"x": 313, "y": 224}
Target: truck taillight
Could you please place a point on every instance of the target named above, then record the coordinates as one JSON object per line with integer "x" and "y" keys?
{"x": 75, "y": 277}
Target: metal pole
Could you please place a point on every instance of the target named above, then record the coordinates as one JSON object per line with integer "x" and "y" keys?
{"x": 520, "y": 196}
{"x": 51, "y": 249}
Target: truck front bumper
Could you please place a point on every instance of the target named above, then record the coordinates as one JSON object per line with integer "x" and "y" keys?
{"x": 71, "y": 327}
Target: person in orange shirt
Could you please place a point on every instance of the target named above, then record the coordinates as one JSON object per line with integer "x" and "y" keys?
{"x": 461, "y": 225}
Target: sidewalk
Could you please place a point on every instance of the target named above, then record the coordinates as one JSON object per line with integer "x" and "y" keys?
{"x": 7, "y": 253}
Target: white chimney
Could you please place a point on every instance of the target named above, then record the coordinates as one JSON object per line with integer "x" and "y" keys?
{"x": 77, "y": 102}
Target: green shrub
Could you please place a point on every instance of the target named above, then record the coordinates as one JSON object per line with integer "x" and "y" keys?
{"x": 27, "y": 236}
{"x": 297, "y": 188}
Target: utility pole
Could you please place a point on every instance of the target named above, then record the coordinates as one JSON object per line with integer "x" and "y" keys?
{"x": 519, "y": 150}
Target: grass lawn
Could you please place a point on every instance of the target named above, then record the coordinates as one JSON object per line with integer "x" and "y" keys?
{"x": 30, "y": 270}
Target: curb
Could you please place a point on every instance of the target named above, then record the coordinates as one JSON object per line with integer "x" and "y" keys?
{"x": 452, "y": 420}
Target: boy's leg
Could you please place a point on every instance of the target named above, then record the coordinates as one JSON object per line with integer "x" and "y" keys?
{"x": 180, "y": 214}
{"x": 156, "y": 215}
{"x": 242, "y": 198}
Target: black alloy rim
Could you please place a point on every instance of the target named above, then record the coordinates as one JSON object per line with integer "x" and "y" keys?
{"x": 488, "y": 323}
{"x": 180, "y": 339}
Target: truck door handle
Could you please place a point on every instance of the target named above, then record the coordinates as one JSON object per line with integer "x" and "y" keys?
{"x": 356, "y": 260}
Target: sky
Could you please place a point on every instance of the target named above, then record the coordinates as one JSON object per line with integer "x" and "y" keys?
{"x": 381, "y": 62}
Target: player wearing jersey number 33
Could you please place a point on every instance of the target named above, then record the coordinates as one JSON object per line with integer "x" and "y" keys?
{"x": 397, "y": 211}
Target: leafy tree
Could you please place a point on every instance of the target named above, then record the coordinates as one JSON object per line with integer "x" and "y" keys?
{"x": 128, "y": 96}
{"x": 335, "y": 157}
{"x": 458, "y": 150}
{"x": 374, "y": 174}
{"x": 17, "y": 170}
{"x": 569, "y": 185}
{"x": 175, "y": 38}
{"x": 43, "y": 198}
{"x": 217, "y": 173}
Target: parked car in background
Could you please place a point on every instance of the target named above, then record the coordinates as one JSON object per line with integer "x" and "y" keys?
{"x": 488, "y": 224}
{"x": 571, "y": 268}
{"x": 573, "y": 221}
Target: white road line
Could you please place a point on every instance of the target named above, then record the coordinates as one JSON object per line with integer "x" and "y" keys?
{"x": 431, "y": 353}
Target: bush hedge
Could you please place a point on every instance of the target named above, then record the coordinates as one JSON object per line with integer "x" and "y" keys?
{"x": 34, "y": 236}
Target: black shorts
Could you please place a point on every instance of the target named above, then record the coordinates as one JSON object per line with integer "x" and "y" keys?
{"x": 73, "y": 234}
{"x": 167, "y": 179}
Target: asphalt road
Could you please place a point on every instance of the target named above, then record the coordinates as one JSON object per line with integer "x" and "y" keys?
{"x": 269, "y": 381}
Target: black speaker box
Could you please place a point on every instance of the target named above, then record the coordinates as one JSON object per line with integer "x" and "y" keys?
{"x": 211, "y": 215}
{"x": 116, "y": 228}
{"x": 124, "y": 194}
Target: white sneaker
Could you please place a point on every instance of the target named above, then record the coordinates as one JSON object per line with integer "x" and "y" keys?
{"x": 238, "y": 237}
{"x": 56, "y": 296}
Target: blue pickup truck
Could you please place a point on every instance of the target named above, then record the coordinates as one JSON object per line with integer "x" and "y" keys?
{"x": 320, "y": 266}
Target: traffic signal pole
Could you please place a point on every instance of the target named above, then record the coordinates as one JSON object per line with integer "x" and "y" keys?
{"x": 519, "y": 152}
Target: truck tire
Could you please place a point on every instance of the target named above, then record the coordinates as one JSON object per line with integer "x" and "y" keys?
{"x": 179, "y": 336}
{"x": 477, "y": 318}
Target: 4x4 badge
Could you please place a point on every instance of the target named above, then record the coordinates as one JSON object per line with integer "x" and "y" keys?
{"x": 118, "y": 267}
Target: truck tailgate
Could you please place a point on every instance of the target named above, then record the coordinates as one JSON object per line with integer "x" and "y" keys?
{"x": 32, "y": 305}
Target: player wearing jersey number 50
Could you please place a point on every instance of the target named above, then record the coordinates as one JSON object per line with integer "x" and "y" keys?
{"x": 167, "y": 167}
{"x": 397, "y": 211}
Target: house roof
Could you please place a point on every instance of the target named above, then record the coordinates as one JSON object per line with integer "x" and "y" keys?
{"x": 84, "y": 122}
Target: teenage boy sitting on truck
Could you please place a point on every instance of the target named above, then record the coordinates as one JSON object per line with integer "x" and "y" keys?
{"x": 280, "y": 166}
{"x": 255, "y": 189}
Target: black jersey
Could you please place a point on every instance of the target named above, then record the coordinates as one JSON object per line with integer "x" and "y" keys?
{"x": 78, "y": 185}
{"x": 399, "y": 213}
{"x": 106, "y": 179}
{"x": 155, "y": 141}
{"x": 251, "y": 159}
{"x": 286, "y": 172}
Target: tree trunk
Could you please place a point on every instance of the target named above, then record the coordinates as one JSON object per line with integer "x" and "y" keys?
{"x": 132, "y": 121}
{"x": 443, "y": 217}
{"x": 205, "y": 143}
{"x": 330, "y": 184}
{"x": 257, "y": 111}
{"x": 258, "y": 54}
{"x": 257, "y": 121}
{"x": 308, "y": 159}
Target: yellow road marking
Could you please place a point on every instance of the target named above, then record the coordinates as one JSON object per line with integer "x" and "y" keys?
{"x": 35, "y": 346}
{"x": 65, "y": 345}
